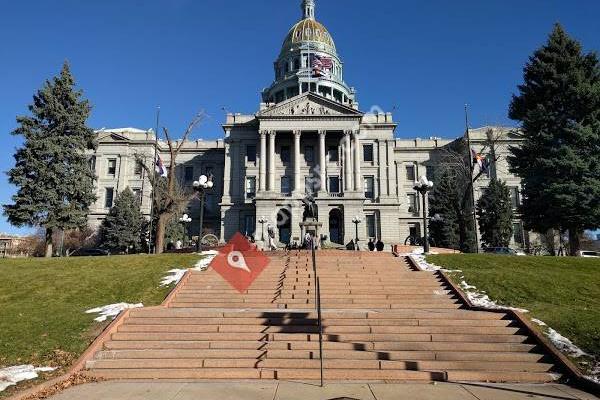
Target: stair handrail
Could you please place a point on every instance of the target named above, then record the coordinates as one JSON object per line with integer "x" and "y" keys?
{"x": 317, "y": 284}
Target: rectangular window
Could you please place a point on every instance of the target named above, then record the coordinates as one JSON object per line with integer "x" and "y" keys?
{"x": 250, "y": 187}
{"x": 369, "y": 187}
{"x": 112, "y": 167}
{"x": 109, "y": 194}
{"x": 413, "y": 203}
{"x": 515, "y": 196}
{"x": 309, "y": 185}
{"x": 371, "y": 228}
{"x": 249, "y": 225}
{"x": 518, "y": 233}
{"x": 309, "y": 154}
{"x": 411, "y": 174}
{"x": 137, "y": 169}
{"x": 285, "y": 185}
{"x": 189, "y": 174}
{"x": 368, "y": 153}
{"x": 251, "y": 153}
{"x": 334, "y": 184}
{"x": 137, "y": 193}
{"x": 92, "y": 163}
{"x": 285, "y": 154}
{"x": 332, "y": 154}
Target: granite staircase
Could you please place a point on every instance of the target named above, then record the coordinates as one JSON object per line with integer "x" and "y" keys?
{"x": 381, "y": 321}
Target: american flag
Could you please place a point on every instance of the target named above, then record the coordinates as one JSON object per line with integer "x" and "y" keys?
{"x": 159, "y": 167}
{"x": 321, "y": 63}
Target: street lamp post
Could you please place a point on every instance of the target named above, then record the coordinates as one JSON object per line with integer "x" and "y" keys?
{"x": 185, "y": 219}
{"x": 423, "y": 186}
{"x": 262, "y": 221}
{"x": 201, "y": 186}
{"x": 356, "y": 220}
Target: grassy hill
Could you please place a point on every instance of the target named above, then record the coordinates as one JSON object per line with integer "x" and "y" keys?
{"x": 43, "y": 301}
{"x": 564, "y": 292}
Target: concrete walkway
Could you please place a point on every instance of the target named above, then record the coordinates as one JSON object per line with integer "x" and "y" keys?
{"x": 144, "y": 390}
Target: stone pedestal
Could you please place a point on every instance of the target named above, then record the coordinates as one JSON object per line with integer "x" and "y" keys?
{"x": 313, "y": 227}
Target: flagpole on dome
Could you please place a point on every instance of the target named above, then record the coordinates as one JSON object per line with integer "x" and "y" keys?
{"x": 150, "y": 241}
{"x": 471, "y": 169}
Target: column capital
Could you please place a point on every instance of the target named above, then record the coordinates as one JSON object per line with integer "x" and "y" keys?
{"x": 262, "y": 132}
{"x": 322, "y": 132}
{"x": 272, "y": 133}
{"x": 356, "y": 133}
{"x": 347, "y": 132}
{"x": 297, "y": 132}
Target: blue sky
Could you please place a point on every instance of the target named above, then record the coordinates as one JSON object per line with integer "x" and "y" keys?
{"x": 422, "y": 59}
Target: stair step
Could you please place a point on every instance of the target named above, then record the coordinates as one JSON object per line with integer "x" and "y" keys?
{"x": 289, "y": 363}
{"x": 328, "y": 329}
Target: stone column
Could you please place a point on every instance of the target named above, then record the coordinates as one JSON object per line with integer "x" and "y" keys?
{"x": 347, "y": 170}
{"x": 263, "y": 161}
{"x": 297, "y": 180}
{"x": 357, "y": 161}
{"x": 322, "y": 161}
{"x": 272, "y": 135}
{"x": 227, "y": 174}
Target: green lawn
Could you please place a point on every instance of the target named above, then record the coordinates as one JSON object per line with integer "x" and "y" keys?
{"x": 43, "y": 301}
{"x": 564, "y": 292}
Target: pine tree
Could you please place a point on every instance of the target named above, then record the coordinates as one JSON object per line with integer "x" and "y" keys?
{"x": 495, "y": 212}
{"x": 558, "y": 106}
{"x": 442, "y": 199}
{"x": 123, "y": 228}
{"x": 55, "y": 185}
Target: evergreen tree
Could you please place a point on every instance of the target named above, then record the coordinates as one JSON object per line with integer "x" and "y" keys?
{"x": 495, "y": 212}
{"x": 442, "y": 200}
{"x": 558, "y": 106}
{"x": 55, "y": 185}
{"x": 175, "y": 230}
{"x": 124, "y": 226}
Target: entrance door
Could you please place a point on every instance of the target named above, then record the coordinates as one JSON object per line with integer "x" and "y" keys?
{"x": 336, "y": 227}
{"x": 284, "y": 225}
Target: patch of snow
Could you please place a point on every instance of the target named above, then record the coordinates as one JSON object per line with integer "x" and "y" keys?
{"x": 561, "y": 342}
{"x": 175, "y": 275}
{"x": 595, "y": 372}
{"x": 12, "y": 375}
{"x": 481, "y": 299}
{"x": 419, "y": 258}
{"x": 111, "y": 310}
{"x": 566, "y": 346}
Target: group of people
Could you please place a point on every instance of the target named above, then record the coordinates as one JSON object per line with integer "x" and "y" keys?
{"x": 375, "y": 245}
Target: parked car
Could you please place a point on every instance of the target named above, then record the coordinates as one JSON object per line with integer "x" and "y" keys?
{"x": 90, "y": 253}
{"x": 588, "y": 253}
{"x": 503, "y": 250}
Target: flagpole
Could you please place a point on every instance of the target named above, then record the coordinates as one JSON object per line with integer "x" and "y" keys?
{"x": 153, "y": 170}
{"x": 471, "y": 167}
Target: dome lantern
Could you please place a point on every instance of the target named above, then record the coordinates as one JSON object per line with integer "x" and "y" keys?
{"x": 308, "y": 6}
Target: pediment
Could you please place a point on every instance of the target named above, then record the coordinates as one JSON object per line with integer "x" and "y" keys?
{"x": 309, "y": 105}
{"x": 112, "y": 137}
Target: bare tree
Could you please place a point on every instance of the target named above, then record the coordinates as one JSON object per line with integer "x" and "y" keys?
{"x": 455, "y": 164}
{"x": 169, "y": 197}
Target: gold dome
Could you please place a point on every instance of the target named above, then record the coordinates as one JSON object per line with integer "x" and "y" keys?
{"x": 308, "y": 30}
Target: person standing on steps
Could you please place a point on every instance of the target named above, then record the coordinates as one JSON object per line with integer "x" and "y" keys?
{"x": 371, "y": 245}
{"x": 271, "y": 235}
